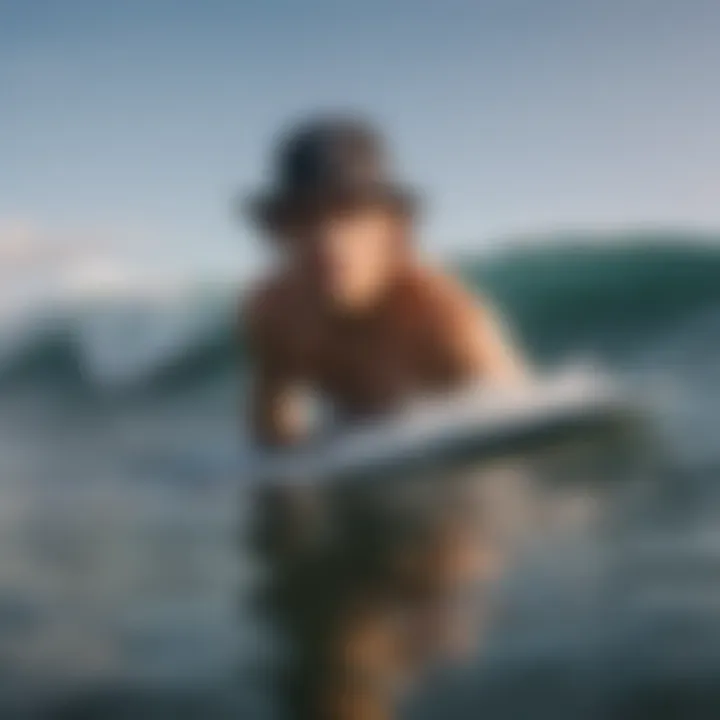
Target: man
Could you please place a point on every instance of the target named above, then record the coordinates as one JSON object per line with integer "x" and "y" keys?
{"x": 352, "y": 312}
{"x": 354, "y": 315}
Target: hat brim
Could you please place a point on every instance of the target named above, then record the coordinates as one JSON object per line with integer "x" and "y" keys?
{"x": 269, "y": 210}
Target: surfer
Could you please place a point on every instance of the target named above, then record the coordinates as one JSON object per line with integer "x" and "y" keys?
{"x": 353, "y": 314}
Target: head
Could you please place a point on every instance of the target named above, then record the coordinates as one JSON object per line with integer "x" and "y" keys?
{"x": 346, "y": 253}
{"x": 334, "y": 215}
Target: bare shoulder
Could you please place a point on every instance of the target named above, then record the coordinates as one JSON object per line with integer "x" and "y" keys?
{"x": 444, "y": 299}
{"x": 464, "y": 328}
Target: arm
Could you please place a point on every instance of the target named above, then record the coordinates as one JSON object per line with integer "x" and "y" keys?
{"x": 275, "y": 411}
{"x": 275, "y": 419}
{"x": 277, "y": 415}
{"x": 497, "y": 356}
{"x": 473, "y": 341}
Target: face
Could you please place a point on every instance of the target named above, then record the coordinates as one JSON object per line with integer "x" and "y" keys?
{"x": 346, "y": 255}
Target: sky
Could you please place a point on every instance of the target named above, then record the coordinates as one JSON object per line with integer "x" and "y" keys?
{"x": 133, "y": 125}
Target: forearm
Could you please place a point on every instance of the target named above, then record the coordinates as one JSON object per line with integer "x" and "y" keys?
{"x": 276, "y": 416}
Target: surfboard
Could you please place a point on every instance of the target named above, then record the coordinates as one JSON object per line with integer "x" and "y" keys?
{"x": 477, "y": 424}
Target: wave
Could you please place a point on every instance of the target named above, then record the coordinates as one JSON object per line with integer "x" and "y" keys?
{"x": 562, "y": 297}
{"x": 612, "y": 293}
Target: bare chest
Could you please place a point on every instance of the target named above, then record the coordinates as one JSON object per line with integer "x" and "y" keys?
{"x": 368, "y": 371}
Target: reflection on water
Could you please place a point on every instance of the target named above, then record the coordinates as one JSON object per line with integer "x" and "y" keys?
{"x": 374, "y": 583}
{"x": 129, "y": 593}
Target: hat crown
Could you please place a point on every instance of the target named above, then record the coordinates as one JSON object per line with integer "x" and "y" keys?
{"x": 330, "y": 162}
{"x": 327, "y": 153}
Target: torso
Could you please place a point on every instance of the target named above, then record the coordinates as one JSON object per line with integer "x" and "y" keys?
{"x": 369, "y": 369}
{"x": 365, "y": 366}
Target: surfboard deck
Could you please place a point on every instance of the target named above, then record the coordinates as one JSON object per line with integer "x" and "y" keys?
{"x": 473, "y": 425}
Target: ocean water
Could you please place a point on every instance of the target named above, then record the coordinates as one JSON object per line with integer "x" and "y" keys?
{"x": 122, "y": 578}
